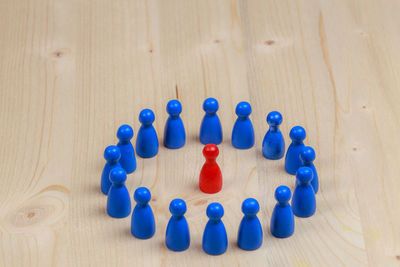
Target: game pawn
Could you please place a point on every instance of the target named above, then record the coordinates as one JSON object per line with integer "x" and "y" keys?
{"x": 112, "y": 154}
{"x": 243, "y": 132}
{"x": 128, "y": 158}
{"x": 147, "y": 140}
{"x": 142, "y": 223}
{"x": 215, "y": 240}
{"x": 177, "y": 236}
{"x": 118, "y": 201}
{"x": 282, "y": 219}
{"x": 292, "y": 160}
{"x": 303, "y": 201}
{"x": 273, "y": 146}
{"x": 174, "y": 131}
{"x": 210, "y": 129}
{"x": 307, "y": 156}
{"x": 210, "y": 181}
{"x": 250, "y": 235}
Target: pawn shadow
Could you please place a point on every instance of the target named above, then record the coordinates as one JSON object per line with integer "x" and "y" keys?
{"x": 126, "y": 233}
{"x": 197, "y": 246}
{"x": 232, "y": 245}
{"x": 194, "y": 138}
{"x": 99, "y": 211}
{"x": 95, "y": 189}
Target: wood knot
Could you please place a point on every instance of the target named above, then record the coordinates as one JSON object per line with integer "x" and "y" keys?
{"x": 30, "y": 215}
{"x": 58, "y": 54}
{"x": 269, "y": 42}
{"x": 355, "y": 149}
{"x": 46, "y": 207}
{"x": 150, "y": 50}
{"x": 398, "y": 257}
{"x": 217, "y": 41}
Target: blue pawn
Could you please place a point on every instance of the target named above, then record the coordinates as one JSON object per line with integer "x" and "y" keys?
{"x": 147, "y": 141}
{"x": 112, "y": 154}
{"x": 210, "y": 129}
{"x": 243, "y": 132}
{"x": 118, "y": 201}
{"x": 142, "y": 224}
{"x": 307, "y": 156}
{"x": 282, "y": 220}
{"x": 273, "y": 144}
{"x": 250, "y": 236}
{"x": 174, "y": 131}
{"x": 303, "y": 201}
{"x": 215, "y": 240}
{"x": 128, "y": 158}
{"x": 292, "y": 160}
{"x": 177, "y": 236}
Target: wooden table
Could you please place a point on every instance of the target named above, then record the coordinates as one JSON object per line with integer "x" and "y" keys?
{"x": 72, "y": 71}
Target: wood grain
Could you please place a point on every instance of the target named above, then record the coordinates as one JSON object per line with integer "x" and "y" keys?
{"x": 72, "y": 71}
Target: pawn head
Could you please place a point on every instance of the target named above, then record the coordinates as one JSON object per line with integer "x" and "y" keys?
{"x": 215, "y": 211}
{"x": 304, "y": 175}
{"x": 117, "y": 175}
{"x": 210, "y": 151}
{"x": 307, "y": 154}
{"x": 112, "y": 153}
{"x": 297, "y": 133}
{"x": 146, "y": 116}
{"x": 243, "y": 109}
{"x": 283, "y": 194}
{"x": 125, "y": 132}
{"x": 174, "y": 107}
{"x": 142, "y": 195}
{"x": 250, "y": 206}
{"x": 210, "y": 105}
{"x": 274, "y": 118}
{"x": 177, "y": 207}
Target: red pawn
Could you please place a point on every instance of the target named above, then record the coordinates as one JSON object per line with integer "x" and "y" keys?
{"x": 210, "y": 176}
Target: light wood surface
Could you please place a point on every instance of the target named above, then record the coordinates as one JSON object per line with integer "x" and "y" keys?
{"x": 72, "y": 71}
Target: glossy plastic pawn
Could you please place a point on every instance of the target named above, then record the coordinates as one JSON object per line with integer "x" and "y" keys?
{"x": 282, "y": 219}
{"x": 307, "y": 156}
{"x": 174, "y": 131}
{"x": 243, "y": 131}
{"x": 273, "y": 144}
{"x": 303, "y": 201}
{"x": 210, "y": 180}
{"x": 215, "y": 240}
{"x": 147, "y": 140}
{"x": 112, "y": 155}
{"x": 128, "y": 158}
{"x": 142, "y": 223}
{"x": 177, "y": 236}
{"x": 250, "y": 235}
{"x": 118, "y": 201}
{"x": 292, "y": 160}
{"x": 210, "y": 129}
